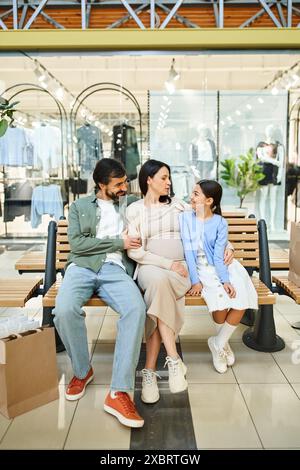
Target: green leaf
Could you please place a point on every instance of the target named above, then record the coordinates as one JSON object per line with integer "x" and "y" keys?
{"x": 3, "y": 127}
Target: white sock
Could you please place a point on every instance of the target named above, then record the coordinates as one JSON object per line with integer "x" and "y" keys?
{"x": 218, "y": 326}
{"x": 224, "y": 334}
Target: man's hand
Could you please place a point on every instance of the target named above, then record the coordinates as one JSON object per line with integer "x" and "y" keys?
{"x": 229, "y": 289}
{"x": 130, "y": 242}
{"x": 196, "y": 289}
{"x": 178, "y": 268}
{"x": 228, "y": 256}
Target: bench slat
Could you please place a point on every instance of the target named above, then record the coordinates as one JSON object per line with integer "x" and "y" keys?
{"x": 288, "y": 286}
{"x": 265, "y": 296}
{"x": 15, "y": 292}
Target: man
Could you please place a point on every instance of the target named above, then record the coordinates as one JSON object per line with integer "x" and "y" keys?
{"x": 98, "y": 264}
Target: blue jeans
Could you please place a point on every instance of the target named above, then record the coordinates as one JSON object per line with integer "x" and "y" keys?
{"x": 117, "y": 290}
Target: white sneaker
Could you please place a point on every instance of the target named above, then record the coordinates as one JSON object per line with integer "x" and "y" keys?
{"x": 230, "y": 357}
{"x": 177, "y": 371}
{"x": 150, "y": 392}
{"x": 219, "y": 356}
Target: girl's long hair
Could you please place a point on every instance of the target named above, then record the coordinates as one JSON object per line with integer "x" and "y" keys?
{"x": 212, "y": 188}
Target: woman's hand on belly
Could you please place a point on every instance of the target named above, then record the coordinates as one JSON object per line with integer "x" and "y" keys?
{"x": 178, "y": 268}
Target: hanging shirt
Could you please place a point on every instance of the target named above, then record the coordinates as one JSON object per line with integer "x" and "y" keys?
{"x": 111, "y": 225}
{"x": 46, "y": 200}
{"x": 90, "y": 148}
{"x": 46, "y": 147}
{"x": 13, "y": 147}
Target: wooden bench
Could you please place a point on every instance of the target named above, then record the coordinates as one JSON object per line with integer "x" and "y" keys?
{"x": 35, "y": 261}
{"x": 31, "y": 261}
{"x": 251, "y": 249}
{"x": 286, "y": 287}
{"x": 15, "y": 292}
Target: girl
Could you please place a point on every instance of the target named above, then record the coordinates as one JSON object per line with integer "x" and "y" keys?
{"x": 228, "y": 290}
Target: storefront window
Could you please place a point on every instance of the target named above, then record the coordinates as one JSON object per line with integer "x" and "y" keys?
{"x": 257, "y": 122}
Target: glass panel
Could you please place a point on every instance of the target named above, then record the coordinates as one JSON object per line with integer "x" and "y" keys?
{"x": 183, "y": 134}
{"x": 256, "y": 122}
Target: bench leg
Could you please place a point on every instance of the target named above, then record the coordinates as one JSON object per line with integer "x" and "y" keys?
{"x": 263, "y": 336}
{"x": 248, "y": 317}
{"x": 48, "y": 320}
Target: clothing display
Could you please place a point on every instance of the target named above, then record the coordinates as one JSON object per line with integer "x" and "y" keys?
{"x": 125, "y": 148}
{"x": 270, "y": 161}
{"x": 17, "y": 201}
{"x": 202, "y": 153}
{"x": 90, "y": 147}
{"x": 78, "y": 186}
{"x": 46, "y": 141}
{"x": 13, "y": 147}
{"x": 46, "y": 200}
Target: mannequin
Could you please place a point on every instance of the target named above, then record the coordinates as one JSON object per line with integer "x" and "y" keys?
{"x": 270, "y": 154}
{"x": 202, "y": 153}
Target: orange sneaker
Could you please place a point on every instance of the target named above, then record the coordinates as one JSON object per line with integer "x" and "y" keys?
{"x": 123, "y": 408}
{"x": 76, "y": 387}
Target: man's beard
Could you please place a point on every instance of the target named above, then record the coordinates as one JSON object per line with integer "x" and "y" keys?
{"x": 115, "y": 196}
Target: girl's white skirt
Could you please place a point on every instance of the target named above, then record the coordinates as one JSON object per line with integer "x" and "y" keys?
{"x": 214, "y": 293}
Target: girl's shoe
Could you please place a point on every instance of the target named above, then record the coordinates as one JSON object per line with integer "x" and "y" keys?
{"x": 230, "y": 357}
{"x": 219, "y": 356}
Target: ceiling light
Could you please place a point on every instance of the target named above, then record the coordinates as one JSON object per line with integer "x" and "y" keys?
{"x": 260, "y": 100}
{"x": 274, "y": 90}
{"x": 248, "y": 106}
{"x": 238, "y": 112}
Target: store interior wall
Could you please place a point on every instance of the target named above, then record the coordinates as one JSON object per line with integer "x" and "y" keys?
{"x": 220, "y": 107}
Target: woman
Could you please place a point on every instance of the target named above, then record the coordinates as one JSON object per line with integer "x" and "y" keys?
{"x": 161, "y": 273}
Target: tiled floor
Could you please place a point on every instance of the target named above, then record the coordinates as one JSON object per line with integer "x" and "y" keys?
{"x": 255, "y": 405}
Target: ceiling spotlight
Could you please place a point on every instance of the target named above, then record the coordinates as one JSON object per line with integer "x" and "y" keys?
{"x": 274, "y": 91}
{"x": 260, "y": 100}
{"x": 59, "y": 93}
{"x": 173, "y": 76}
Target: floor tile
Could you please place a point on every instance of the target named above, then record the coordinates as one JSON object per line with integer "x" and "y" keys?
{"x": 221, "y": 419}
{"x": 284, "y": 329}
{"x": 255, "y": 367}
{"x": 93, "y": 428}
{"x": 45, "y": 427}
{"x": 4, "y": 424}
{"x": 198, "y": 360}
{"x": 93, "y": 324}
{"x": 275, "y": 410}
{"x": 296, "y": 387}
{"x": 289, "y": 360}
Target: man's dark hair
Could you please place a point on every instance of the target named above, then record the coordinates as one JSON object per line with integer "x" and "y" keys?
{"x": 106, "y": 169}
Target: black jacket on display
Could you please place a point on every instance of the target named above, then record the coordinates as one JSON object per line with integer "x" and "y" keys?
{"x": 125, "y": 148}
{"x": 17, "y": 201}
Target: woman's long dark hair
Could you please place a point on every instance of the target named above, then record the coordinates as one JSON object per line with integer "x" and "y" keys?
{"x": 212, "y": 188}
{"x": 150, "y": 168}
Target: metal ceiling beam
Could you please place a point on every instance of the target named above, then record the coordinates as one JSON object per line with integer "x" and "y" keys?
{"x": 48, "y": 18}
{"x": 126, "y": 17}
{"x": 23, "y": 16}
{"x": 15, "y": 14}
{"x": 270, "y": 13}
{"x": 221, "y": 14}
{"x": 289, "y": 13}
{"x": 216, "y": 12}
{"x": 35, "y": 14}
{"x": 181, "y": 19}
{"x": 83, "y": 14}
{"x": 152, "y": 14}
{"x": 171, "y": 14}
{"x": 3, "y": 25}
{"x": 281, "y": 15}
{"x": 132, "y": 14}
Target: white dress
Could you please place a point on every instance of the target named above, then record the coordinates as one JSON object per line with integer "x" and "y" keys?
{"x": 213, "y": 291}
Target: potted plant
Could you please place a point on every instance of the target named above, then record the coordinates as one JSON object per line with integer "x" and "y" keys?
{"x": 7, "y": 110}
{"x": 242, "y": 173}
